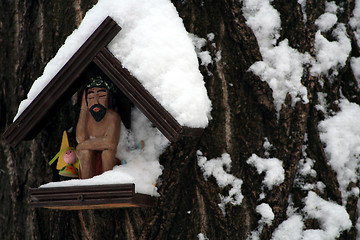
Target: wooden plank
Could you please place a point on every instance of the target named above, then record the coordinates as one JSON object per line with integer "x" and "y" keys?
{"x": 134, "y": 90}
{"x": 83, "y": 204}
{"x": 98, "y": 206}
{"x": 89, "y": 197}
{"x": 85, "y": 195}
{"x": 89, "y": 188}
{"x": 64, "y": 79}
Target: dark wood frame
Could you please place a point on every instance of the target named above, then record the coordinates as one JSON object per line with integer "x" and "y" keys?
{"x": 89, "y": 197}
{"x": 31, "y": 121}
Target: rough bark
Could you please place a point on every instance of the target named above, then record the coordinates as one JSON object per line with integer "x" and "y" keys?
{"x": 243, "y": 116}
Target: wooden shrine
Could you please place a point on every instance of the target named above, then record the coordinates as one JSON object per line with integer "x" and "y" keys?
{"x": 66, "y": 82}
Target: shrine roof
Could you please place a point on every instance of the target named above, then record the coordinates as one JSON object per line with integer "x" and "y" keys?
{"x": 67, "y": 80}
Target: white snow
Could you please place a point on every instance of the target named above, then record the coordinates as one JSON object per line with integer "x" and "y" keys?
{"x": 267, "y": 216}
{"x": 355, "y": 66}
{"x": 326, "y": 21}
{"x": 202, "y": 236}
{"x": 204, "y": 55}
{"x": 340, "y": 49}
{"x": 154, "y": 46}
{"x": 264, "y": 20}
{"x": 306, "y": 164}
{"x": 266, "y": 213}
{"x": 199, "y": 43}
{"x": 341, "y": 135}
{"x": 267, "y": 147}
{"x": 358, "y": 221}
{"x": 322, "y": 106}
{"x": 331, "y": 7}
{"x": 282, "y": 66}
{"x": 272, "y": 167}
{"x": 219, "y": 168}
{"x": 306, "y": 167}
{"x": 354, "y": 21}
{"x": 291, "y": 228}
{"x": 303, "y": 9}
{"x": 333, "y": 218}
{"x": 210, "y": 36}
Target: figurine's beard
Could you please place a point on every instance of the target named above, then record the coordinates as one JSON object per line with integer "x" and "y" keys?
{"x": 98, "y": 112}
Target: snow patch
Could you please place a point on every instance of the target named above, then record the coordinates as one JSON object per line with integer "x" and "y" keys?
{"x": 282, "y": 66}
{"x": 326, "y": 21}
{"x": 267, "y": 147}
{"x": 303, "y": 9}
{"x": 272, "y": 167}
{"x": 306, "y": 167}
{"x": 264, "y": 20}
{"x": 358, "y": 221}
{"x": 331, "y": 7}
{"x": 355, "y": 66}
{"x": 219, "y": 168}
{"x": 340, "y": 49}
{"x": 341, "y": 136}
{"x": 267, "y": 216}
{"x": 354, "y": 21}
{"x": 199, "y": 43}
{"x": 291, "y": 228}
{"x": 202, "y": 236}
{"x": 266, "y": 213}
{"x": 333, "y": 218}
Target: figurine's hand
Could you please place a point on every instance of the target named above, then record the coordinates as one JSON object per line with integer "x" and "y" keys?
{"x": 84, "y": 106}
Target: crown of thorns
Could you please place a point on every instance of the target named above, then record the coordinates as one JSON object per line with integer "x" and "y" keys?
{"x": 100, "y": 82}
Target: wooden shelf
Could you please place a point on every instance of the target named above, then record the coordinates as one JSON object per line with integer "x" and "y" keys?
{"x": 89, "y": 197}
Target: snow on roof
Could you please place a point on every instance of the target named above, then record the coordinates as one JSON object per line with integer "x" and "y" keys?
{"x": 154, "y": 46}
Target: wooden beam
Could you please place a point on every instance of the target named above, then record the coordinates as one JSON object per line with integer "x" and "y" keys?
{"x": 89, "y": 197}
{"x": 30, "y": 119}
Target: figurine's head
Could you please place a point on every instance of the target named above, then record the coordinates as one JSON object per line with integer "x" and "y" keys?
{"x": 70, "y": 156}
{"x": 98, "y": 93}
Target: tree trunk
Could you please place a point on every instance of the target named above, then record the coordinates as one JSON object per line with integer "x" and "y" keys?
{"x": 243, "y": 116}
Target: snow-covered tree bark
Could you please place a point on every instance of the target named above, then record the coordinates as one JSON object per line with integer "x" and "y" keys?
{"x": 281, "y": 76}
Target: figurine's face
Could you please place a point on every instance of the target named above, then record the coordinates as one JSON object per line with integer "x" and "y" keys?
{"x": 97, "y": 99}
{"x": 97, "y": 95}
{"x": 70, "y": 156}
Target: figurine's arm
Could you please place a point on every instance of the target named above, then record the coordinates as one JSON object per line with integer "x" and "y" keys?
{"x": 81, "y": 133}
{"x": 110, "y": 139}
